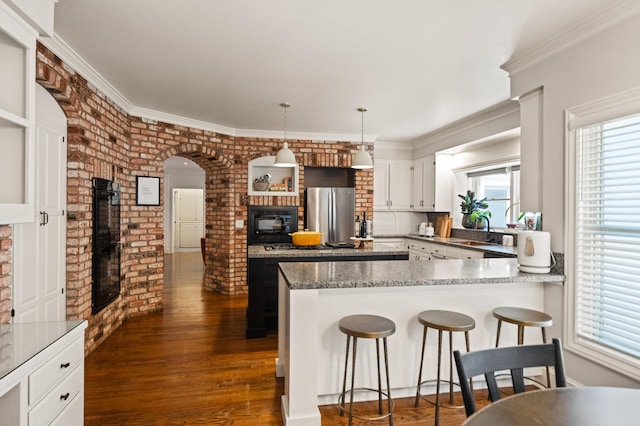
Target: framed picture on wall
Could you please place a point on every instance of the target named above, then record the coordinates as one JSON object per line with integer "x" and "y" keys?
{"x": 147, "y": 191}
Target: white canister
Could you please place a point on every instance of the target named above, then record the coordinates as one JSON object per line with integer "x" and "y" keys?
{"x": 507, "y": 240}
{"x": 429, "y": 230}
{"x": 534, "y": 252}
{"x": 422, "y": 229}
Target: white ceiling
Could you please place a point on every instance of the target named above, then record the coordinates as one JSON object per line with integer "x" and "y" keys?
{"x": 416, "y": 64}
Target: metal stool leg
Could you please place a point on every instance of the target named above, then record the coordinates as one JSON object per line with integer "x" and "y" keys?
{"x": 386, "y": 369}
{"x": 424, "y": 341}
{"x": 450, "y": 368}
{"x": 544, "y": 340}
{"x": 379, "y": 377}
{"x": 498, "y": 335}
{"x": 344, "y": 380}
{"x": 520, "y": 334}
{"x": 353, "y": 380}
{"x": 438, "y": 378}
{"x": 466, "y": 341}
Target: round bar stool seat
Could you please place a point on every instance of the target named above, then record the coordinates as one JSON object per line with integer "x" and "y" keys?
{"x": 443, "y": 321}
{"x": 366, "y": 326}
{"x": 523, "y": 317}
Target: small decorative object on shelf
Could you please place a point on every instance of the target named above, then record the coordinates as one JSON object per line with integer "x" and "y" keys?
{"x": 262, "y": 183}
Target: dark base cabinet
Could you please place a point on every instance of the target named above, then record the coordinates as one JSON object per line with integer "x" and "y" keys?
{"x": 262, "y": 279}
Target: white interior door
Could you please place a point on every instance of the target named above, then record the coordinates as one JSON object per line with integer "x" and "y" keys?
{"x": 40, "y": 249}
{"x": 189, "y": 218}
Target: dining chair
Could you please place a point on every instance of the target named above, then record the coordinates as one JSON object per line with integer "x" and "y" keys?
{"x": 515, "y": 358}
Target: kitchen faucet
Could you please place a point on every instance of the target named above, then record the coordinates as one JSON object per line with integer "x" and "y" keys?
{"x": 488, "y": 229}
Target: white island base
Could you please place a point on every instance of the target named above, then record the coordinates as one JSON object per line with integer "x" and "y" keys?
{"x": 312, "y": 349}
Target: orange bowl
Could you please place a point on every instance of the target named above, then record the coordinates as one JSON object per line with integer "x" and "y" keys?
{"x": 306, "y": 238}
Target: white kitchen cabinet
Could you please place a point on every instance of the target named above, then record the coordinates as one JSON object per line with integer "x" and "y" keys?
{"x": 42, "y": 373}
{"x": 459, "y": 253}
{"x": 432, "y": 183}
{"x": 17, "y": 117}
{"x": 419, "y": 250}
{"x": 284, "y": 180}
{"x": 388, "y": 242}
{"x": 392, "y": 180}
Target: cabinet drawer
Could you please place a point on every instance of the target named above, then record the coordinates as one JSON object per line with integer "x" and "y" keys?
{"x": 54, "y": 370}
{"x": 58, "y": 399}
{"x": 73, "y": 414}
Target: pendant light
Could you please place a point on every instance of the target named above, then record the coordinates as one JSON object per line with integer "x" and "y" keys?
{"x": 285, "y": 157}
{"x": 362, "y": 159}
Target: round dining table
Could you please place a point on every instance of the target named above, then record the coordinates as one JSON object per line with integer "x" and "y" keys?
{"x": 579, "y": 406}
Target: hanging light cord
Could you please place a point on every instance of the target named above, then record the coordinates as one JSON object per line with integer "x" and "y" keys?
{"x": 285, "y": 105}
{"x": 362, "y": 110}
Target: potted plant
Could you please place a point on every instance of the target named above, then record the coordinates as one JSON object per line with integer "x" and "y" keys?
{"x": 469, "y": 205}
{"x": 479, "y": 218}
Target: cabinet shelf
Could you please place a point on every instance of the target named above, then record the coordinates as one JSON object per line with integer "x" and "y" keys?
{"x": 285, "y": 176}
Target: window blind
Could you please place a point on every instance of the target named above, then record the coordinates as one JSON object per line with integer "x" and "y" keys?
{"x": 608, "y": 234}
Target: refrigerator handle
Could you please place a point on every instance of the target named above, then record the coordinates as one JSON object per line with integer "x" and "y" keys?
{"x": 332, "y": 215}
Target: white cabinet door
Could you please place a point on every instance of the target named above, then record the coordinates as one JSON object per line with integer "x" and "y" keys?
{"x": 433, "y": 183}
{"x": 40, "y": 258}
{"x": 424, "y": 183}
{"x": 380, "y": 186}
{"x": 17, "y": 118}
{"x": 392, "y": 184}
{"x": 189, "y": 212}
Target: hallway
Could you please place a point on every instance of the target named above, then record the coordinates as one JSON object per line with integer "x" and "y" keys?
{"x": 191, "y": 365}
{"x": 187, "y": 365}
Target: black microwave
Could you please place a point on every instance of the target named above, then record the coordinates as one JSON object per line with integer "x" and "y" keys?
{"x": 271, "y": 224}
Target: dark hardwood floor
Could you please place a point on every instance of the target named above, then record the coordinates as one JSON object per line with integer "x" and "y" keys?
{"x": 191, "y": 365}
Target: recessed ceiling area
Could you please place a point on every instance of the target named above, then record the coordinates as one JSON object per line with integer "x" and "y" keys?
{"x": 416, "y": 65}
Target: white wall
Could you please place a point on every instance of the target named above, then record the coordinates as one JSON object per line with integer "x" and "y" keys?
{"x": 599, "y": 66}
{"x": 177, "y": 178}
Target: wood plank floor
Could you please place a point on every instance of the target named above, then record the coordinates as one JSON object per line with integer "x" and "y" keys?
{"x": 191, "y": 365}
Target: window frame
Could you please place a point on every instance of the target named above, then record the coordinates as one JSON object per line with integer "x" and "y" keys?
{"x": 614, "y": 107}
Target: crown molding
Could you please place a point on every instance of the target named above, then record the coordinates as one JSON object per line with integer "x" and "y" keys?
{"x": 574, "y": 34}
{"x": 480, "y": 119}
{"x": 74, "y": 61}
{"x": 394, "y": 145}
{"x": 56, "y": 45}
{"x": 315, "y": 137}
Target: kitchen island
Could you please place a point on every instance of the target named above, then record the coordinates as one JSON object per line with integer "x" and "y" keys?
{"x": 262, "y": 276}
{"x": 314, "y": 296}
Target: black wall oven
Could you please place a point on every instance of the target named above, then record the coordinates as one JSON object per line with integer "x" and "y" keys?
{"x": 271, "y": 224}
{"x": 106, "y": 243}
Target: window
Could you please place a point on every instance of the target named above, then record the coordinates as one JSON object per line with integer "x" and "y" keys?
{"x": 604, "y": 294}
{"x": 501, "y": 187}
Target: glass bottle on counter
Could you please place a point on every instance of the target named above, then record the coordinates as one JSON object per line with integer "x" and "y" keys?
{"x": 357, "y": 227}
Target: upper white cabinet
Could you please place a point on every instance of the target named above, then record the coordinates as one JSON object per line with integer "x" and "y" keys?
{"x": 392, "y": 184}
{"x": 432, "y": 183}
{"x": 283, "y": 181}
{"x": 17, "y": 117}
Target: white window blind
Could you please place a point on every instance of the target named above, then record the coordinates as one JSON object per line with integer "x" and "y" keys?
{"x": 608, "y": 235}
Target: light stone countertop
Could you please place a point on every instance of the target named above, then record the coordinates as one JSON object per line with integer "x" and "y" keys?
{"x": 402, "y": 273}
{"x": 22, "y": 341}
{"x": 258, "y": 251}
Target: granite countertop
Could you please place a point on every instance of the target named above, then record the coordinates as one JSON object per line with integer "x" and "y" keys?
{"x": 359, "y": 274}
{"x": 258, "y": 251}
{"x": 457, "y": 242}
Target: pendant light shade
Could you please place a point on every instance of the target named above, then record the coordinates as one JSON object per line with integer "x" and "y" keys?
{"x": 285, "y": 157}
{"x": 362, "y": 159}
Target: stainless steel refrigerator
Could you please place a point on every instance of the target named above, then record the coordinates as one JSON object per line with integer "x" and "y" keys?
{"x": 332, "y": 212}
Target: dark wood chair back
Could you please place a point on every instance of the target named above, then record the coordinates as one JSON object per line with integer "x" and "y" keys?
{"x": 515, "y": 358}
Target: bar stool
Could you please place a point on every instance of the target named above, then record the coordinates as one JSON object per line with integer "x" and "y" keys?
{"x": 366, "y": 327}
{"x": 443, "y": 321}
{"x": 523, "y": 317}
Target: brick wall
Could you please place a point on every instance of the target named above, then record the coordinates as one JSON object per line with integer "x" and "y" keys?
{"x": 104, "y": 141}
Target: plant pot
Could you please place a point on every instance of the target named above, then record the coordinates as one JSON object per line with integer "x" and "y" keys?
{"x": 466, "y": 221}
{"x": 481, "y": 223}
